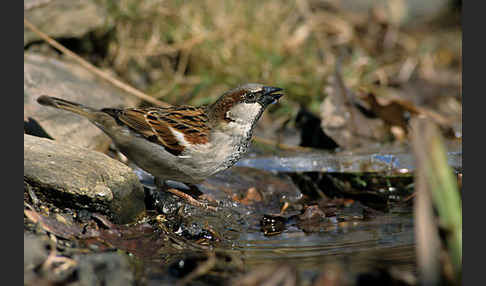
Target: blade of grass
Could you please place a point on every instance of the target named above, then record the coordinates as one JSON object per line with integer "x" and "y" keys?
{"x": 440, "y": 183}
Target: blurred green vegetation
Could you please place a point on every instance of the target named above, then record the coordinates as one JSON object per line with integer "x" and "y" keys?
{"x": 436, "y": 179}
{"x": 192, "y": 51}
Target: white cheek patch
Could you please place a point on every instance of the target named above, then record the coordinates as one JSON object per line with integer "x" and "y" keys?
{"x": 244, "y": 113}
{"x": 242, "y": 116}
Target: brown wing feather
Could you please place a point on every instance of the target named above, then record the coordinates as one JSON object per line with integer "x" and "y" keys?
{"x": 191, "y": 121}
{"x": 155, "y": 124}
{"x": 154, "y": 130}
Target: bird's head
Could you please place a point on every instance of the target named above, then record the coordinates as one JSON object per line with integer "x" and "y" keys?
{"x": 244, "y": 104}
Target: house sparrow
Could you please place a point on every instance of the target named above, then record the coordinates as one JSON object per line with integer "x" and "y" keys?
{"x": 182, "y": 143}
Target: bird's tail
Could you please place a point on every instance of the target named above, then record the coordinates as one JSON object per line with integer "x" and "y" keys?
{"x": 80, "y": 109}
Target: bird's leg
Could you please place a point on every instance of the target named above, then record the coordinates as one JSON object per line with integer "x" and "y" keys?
{"x": 161, "y": 184}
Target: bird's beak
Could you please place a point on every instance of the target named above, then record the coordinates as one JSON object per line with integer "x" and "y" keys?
{"x": 269, "y": 95}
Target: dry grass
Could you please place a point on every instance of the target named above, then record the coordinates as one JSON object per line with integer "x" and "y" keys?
{"x": 190, "y": 51}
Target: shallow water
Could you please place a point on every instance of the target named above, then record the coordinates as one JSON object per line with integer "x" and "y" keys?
{"x": 397, "y": 160}
{"x": 357, "y": 242}
{"x": 353, "y": 243}
{"x": 353, "y": 249}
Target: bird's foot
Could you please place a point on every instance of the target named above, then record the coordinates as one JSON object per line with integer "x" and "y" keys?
{"x": 189, "y": 190}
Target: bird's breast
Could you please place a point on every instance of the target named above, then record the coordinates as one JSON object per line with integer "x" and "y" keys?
{"x": 222, "y": 151}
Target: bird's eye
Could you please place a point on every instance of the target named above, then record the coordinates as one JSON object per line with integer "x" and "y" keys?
{"x": 250, "y": 96}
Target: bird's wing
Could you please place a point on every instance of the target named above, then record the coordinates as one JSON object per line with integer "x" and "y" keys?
{"x": 173, "y": 127}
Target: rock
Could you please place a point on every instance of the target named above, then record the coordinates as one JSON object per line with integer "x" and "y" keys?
{"x": 104, "y": 269}
{"x": 34, "y": 255}
{"x": 75, "y": 177}
{"x": 344, "y": 123}
{"x": 43, "y": 75}
{"x": 67, "y": 19}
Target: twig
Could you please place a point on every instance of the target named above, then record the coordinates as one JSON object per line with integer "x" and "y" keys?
{"x": 125, "y": 87}
{"x": 53, "y": 258}
{"x": 32, "y": 195}
{"x": 191, "y": 200}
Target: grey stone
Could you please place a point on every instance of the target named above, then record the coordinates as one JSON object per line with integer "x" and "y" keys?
{"x": 43, "y": 75}
{"x": 104, "y": 269}
{"x": 75, "y": 177}
{"x": 34, "y": 255}
{"x": 59, "y": 18}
